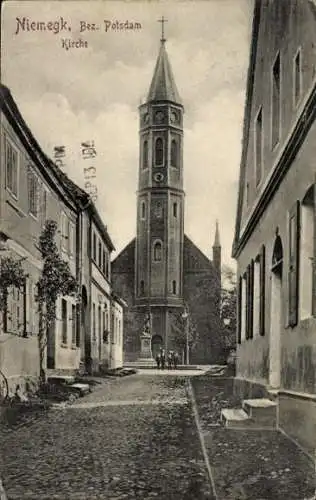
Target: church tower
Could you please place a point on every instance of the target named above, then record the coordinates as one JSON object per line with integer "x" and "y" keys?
{"x": 160, "y": 202}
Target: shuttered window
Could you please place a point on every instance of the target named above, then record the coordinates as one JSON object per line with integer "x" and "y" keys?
{"x": 262, "y": 290}
{"x": 294, "y": 236}
{"x": 239, "y": 310}
{"x": 314, "y": 257}
{"x": 250, "y": 299}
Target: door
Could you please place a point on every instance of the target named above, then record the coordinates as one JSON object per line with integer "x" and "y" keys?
{"x": 156, "y": 344}
{"x": 276, "y": 315}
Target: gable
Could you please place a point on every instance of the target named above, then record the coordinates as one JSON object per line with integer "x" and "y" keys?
{"x": 193, "y": 259}
{"x": 125, "y": 261}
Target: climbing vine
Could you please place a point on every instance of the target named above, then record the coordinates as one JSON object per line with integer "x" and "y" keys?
{"x": 11, "y": 275}
{"x": 55, "y": 281}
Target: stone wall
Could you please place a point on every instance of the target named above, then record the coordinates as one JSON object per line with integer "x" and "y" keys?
{"x": 19, "y": 360}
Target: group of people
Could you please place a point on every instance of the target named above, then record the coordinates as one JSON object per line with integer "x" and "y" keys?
{"x": 172, "y": 359}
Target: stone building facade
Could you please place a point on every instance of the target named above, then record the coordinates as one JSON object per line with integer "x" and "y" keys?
{"x": 161, "y": 272}
{"x": 275, "y": 243}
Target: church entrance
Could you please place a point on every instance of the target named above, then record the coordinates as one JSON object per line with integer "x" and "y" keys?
{"x": 156, "y": 344}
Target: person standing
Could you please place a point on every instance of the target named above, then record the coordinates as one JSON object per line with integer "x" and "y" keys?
{"x": 175, "y": 360}
{"x": 162, "y": 359}
{"x": 158, "y": 360}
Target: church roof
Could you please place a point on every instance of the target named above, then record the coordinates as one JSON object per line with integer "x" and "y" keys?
{"x": 163, "y": 86}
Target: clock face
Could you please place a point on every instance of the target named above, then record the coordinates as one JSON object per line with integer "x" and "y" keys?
{"x": 158, "y": 177}
{"x": 159, "y": 116}
{"x": 174, "y": 117}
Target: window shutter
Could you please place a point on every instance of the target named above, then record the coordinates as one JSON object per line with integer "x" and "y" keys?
{"x": 262, "y": 290}
{"x": 247, "y": 301}
{"x": 294, "y": 237}
{"x": 251, "y": 276}
{"x": 239, "y": 311}
{"x": 314, "y": 256}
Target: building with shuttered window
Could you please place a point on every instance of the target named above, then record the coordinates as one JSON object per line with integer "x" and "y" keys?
{"x": 275, "y": 237}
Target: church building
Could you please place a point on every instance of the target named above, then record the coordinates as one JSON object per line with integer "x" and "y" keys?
{"x": 161, "y": 274}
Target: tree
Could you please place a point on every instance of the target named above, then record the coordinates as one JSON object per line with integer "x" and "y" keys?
{"x": 229, "y": 308}
{"x": 55, "y": 281}
{"x": 179, "y": 326}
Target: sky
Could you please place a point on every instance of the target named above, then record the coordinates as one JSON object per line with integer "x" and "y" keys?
{"x": 93, "y": 93}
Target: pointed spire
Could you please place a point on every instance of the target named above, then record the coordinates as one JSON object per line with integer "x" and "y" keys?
{"x": 163, "y": 87}
{"x": 217, "y": 242}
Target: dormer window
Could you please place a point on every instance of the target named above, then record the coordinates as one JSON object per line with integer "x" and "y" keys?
{"x": 159, "y": 151}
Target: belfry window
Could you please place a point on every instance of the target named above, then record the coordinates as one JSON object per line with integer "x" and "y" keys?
{"x": 143, "y": 210}
{"x": 158, "y": 251}
{"x": 159, "y": 151}
{"x": 145, "y": 154}
{"x": 174, "y": 153}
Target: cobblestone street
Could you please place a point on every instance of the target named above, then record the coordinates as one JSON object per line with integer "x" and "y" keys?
{"x": 138, "y": 438}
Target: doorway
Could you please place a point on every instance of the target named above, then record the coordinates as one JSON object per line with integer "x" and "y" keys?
{"x": 156, "y": 344}
{"x": 276, "y": 316}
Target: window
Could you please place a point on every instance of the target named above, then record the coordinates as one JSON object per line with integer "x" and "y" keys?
{"x": 43, "y": 209}
{"x": 99, "y": 323}
{"x": 14, "y": 317}
{"x": 94, "y": 247}
{"x": 276, "y": 101}
{"x": 158, "y": 210}
{"x": 143, "y": 210}
{"x": 119, "y": 331}
{"x": 297, "y": 77}
{"x": 256, "y": 297}
{"x": 239, "y": 310}
{"x": 174, "y": 153}
{"x": 258, "y": 147}
{"x": 157, "y": 251}
{"x": 73, "y": 324}
{"x": 174, "y": 287}
{"x": 145, "y": 154}
{"x": 100, "y": 255}
{"x": 94, "y": 337}
{"x": 243, "y": 308}
{"x": 64, "y": 321}
{"x": 11, "y": 163}
{"x": 33, "y": 193}
{"x": 142, "y": 287}
{"x": 113, "y": 329}
{"x": 249, "y": 300}
{"x": 159, "y": 152}
{"x": 72, "y": 241}
{"x": 175, "y": 210}
{"x": 107, "y": 267}
{"x": 104, "y": 261}
{"x": 262, "y": 290}
{"x": 307, "y": 254}
{"x": 294, "y": 237}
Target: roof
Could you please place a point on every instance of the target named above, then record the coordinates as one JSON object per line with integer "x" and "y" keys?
{"x": 246, "y": 123}
{"x": 163, "y": 87}
{"x": 50, "y": 170}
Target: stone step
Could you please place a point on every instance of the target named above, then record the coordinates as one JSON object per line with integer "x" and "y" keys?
{"x": 61, "y": 379}
{"x": 262, "y": 410}
{"x": 234, "y": 417}
{"x": 81, "y": 388}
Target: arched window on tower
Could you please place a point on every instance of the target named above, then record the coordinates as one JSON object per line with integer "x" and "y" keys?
{"x": 159, "y": 151}
{"x": 143, "y": 210}
{"x": 145, "y": 154}
{"x": 174, "y": 153}
{"x": 157, "y": 251}
{"x": 174, "y": 287}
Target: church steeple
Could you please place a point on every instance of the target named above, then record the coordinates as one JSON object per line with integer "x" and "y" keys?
{"x": 217, "y": 249}
{"x": 163, "y": 86}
